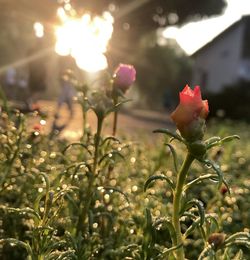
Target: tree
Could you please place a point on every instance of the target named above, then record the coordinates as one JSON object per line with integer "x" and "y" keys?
{"x": 162, "y": 70}
{"x": 135, "y": 18}
{"x": 149, "y": 14}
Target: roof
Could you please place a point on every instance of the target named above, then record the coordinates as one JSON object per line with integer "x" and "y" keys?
{"x": 221, "y": 35}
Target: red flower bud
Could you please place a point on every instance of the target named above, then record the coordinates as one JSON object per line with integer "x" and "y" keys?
{"x": 37, "y": 127}
{"x": 223, "y": 190}
{"x": 190, "y": 113}
{"x": 216, "y": 240}
{"x": 124, "y": 77}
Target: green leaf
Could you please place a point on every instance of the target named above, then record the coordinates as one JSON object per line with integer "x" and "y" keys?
{"x": 238, "y": 242}
{"x": 67, "y": 255}
{"x": 217, "y": 170}
{"x": 199, "y": 179}
{"x": 197, "y": 221}
{"x": 111, "y": 138}
{"x": 238, "y": 235}
{"x": 207, "y": 251}
{"x": 215, "y": 141}
{"x": 64, "y": 192}
{"x": 17, "y": 243}
{"x": 46, "y": 179}
{"x": 110, "y": 156}
{"x": 109, "y": 217}
{"x": 239, "y": 255}
{"x": 169, "y": 133}
{"x": 148, "y": 235}
{"x": 174, "y": 157}
{"x": 213, "y": 220}
{"x": 76, "y": 144}
{"x": 219, "y": 173}
{"x": 37, "y": 201}
{"x": 192, "y": 227}
{"x": 225, "y": 255}
{"x": 23, "y": 211}
{"x": 117, "y": 106}
{"x": 200, "y": 207}
{"x": 166, "y": 252}
{"x": 72, "y": 201}
{"x": 159, "y": 177}
{"x": 56, "y": 245}
{"x": 229, "y": 138}
{"x": 90, "y": 220}
{"x": 148, "y": 220}
{"x": 78, "y": 166}
{"x": 113, "y": 189}
{"x": 212, "y": 140}
{"x": 166, "y": 222}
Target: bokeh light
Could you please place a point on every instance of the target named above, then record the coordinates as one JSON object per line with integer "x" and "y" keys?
{"x": 39, "y": 29}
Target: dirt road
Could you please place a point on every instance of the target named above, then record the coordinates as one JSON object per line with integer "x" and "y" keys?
{"x": 130, "y": 121}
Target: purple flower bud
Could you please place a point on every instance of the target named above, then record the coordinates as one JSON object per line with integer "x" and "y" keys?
{"x": 124, "y": 77}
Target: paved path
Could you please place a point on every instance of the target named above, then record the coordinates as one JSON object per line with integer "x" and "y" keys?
{"x": 130, "y": 121}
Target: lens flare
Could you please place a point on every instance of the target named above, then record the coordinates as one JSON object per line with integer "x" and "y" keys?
{"x": 85, "y": 39}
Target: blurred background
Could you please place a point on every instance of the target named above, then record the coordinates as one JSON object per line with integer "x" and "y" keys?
{"x": 170, "y": 43}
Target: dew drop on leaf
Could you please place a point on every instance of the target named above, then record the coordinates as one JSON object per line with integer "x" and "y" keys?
{"x": 95, "y": 225}
{"x": 208, "y": 165}
{"x": 132, "y": 159}
{"x": 43, "y": 122}
{"x": 134, "y": 188}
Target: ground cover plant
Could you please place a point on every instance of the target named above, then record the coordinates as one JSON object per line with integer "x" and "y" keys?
{"x": 180, "y": 195}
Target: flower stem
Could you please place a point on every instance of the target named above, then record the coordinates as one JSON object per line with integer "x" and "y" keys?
{"x": 115, "y": 100}
{"x": 84, "y": 128}
{"x": 84, "y": 211}
{"x": 177, "y": 204}
{"x": 97, "y": 142}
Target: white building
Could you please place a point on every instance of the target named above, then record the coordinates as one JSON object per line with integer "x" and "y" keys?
{"x": 225, "y": 60}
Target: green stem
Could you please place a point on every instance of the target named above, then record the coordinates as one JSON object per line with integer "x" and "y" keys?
{"x": 84, "y": 211}
{"x": 177, "y": 204}
{"x": 97, "y": 142}
{"x": 38, "y": 257}
{"x": 115, "y": 123}
{"x": 115, "y": 100}
{"x": 84, "y": 130}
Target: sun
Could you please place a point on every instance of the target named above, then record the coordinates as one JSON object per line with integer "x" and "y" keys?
{"x": 84, "y": 38}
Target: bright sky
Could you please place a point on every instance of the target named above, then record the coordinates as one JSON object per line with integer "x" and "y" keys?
{"x": 194, "y": 35}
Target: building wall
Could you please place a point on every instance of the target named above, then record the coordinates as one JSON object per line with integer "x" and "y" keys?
{"x": 218, "y": 64}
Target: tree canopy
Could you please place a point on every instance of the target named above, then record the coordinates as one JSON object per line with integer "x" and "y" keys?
{"x": 154, "y": 13}
{"x": 134, "y": 16}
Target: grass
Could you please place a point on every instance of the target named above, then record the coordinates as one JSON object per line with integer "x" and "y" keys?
{"x": 44, "y": 189}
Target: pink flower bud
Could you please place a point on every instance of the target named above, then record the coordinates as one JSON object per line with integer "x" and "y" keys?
{"x": 124, "y": 77}
{"x": 190, "y": 113}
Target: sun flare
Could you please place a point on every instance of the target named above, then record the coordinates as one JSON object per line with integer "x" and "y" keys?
{"x": 85, "y": 39}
